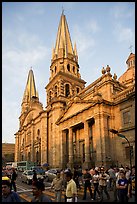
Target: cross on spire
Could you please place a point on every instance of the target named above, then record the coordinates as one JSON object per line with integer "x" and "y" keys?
{"x": 62, "y": 10}
{"x": 131, "y": 46}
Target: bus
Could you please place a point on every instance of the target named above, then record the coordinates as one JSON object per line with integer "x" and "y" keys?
{"x": 24, "y": 165}
{"x": 9, "y": 165}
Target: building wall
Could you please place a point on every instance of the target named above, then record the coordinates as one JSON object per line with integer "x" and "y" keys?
{"x": 74, "y": 127}
{"x": 8, "y": 148}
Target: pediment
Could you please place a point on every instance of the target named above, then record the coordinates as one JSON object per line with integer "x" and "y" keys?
{"x": 74, "y": 109}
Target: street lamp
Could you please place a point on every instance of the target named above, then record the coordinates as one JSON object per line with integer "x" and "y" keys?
{"x": 123, "y": 136}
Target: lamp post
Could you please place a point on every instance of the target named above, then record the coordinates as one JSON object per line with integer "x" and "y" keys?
{"x": 123, "y": 136}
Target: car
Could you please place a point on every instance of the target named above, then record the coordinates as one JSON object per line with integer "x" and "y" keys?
{"x": 39, "y": 170}
{"x": 27, "y": 176}
{"x": 50, "y": 174}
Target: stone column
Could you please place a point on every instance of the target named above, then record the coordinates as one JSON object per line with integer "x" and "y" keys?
{"x": 62, "y": 152}
{"x": 77, "y": 145}
{"x": 87, "y": 152}
{"x": 32, "y": 142}
{"x": 98, "y": 141}
{"x": 17, "y": 150}
{"x": 70, "y": 163}
{"x": 43, "y": 136}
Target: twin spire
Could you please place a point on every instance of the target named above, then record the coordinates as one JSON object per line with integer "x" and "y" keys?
{"x": 63, "y": 42}
{"x": 63, "y": 48}
{"x": 30, "y": 90}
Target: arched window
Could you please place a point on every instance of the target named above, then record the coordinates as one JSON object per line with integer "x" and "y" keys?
{"x": 56, "y": 89}
{"x": 50, "y": 94}
{"x": 55, "y": 69}
{"x": 67, "y": 90}
{"x": 38, "y": 132}
{"x": 68, "y": 67}
{"x": 23, "y": 142}
{"x": 73, "y": 69}
{"x": 77, "y": 90}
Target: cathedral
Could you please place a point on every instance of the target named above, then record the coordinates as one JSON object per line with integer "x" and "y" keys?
{"x": 74, "y": 127}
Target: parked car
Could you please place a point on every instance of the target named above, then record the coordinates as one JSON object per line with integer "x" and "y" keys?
{"x": 39, "y": 170}
{"x": 27, "y": 176}
{"x": 50, "y": 174}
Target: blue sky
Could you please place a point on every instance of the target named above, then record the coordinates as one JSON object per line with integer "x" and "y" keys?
{"x": 103, "y": 32}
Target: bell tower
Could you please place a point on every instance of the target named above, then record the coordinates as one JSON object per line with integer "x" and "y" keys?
{"x": 65, "y": 80}
{"x": 64, "y": 83}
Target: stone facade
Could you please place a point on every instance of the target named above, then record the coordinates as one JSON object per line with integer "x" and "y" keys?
{"x": 74, "y": 127}
{"x": 8, "y": 148}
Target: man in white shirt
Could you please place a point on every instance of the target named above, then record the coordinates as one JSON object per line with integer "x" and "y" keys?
{"x": 71, "y": 190}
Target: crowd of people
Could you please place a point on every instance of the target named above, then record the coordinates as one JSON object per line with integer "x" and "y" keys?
{"x": 99, "y": 181}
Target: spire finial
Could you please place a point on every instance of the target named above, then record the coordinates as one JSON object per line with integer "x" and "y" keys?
{"x": 131, "y": 46}
{"x": 62, "y": 10}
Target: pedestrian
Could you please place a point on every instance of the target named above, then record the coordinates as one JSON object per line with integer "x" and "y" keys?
{"x": 87, "y": 183}
{"x": 122, "y": 187}
{"x": 34, "y": 179}
{"x": 131, "y": 186}
{"x": 13, "y": 179}
{"x": 7, "y": 194}
{"x": 112, "y": 178}
{"x": 76, "y": 178}
{"x": 37, "y": 188}
{"x": 57, "y": 185}
{"x": 127, "y": 172}
{"x": 115, "y": 190}
{"x": 71, "y": 190}
{"x": 103, "y": 177}
{"x": 95, "y": 180}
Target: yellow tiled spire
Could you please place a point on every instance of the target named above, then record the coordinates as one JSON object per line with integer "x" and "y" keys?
{"x": 30, "y": 90}
{"x": 63, "y": 45}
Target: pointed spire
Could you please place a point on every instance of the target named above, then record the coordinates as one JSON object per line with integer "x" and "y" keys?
{"x": 30, "y": 90}
{"x": 75, "y": 52}
{"x": 63, "y": 40}
{"x": 53, "y": 52}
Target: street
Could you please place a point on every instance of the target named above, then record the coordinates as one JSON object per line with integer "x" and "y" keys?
{"x": 25, "y": 192}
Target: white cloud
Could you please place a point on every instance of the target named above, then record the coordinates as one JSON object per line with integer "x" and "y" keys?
{"x": 92, "y": 26}
{"x": 123, "y": 11}
{"x": 84, "y": 39}
{"x": 124, "y": 34}
{"x": 10, "y": 114}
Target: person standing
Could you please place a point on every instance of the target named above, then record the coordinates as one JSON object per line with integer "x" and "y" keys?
{"x": 37, "y": 188}
{"x": 76, "y": 177}
{"x": 57, "y": 185}
{"x": 34, "y": 179}
{"x": 71, "y": 189}
{"x": 122, "y": 187}
{"x": 112, "y": 178}
{"x": 13, "y": 179}
{"x": 103, "y": 177}
{"x": 131, "y": 186}
{"x": 87, "y": 184}
{"x": 95, "y": 180}
{"x": 7, "y": 194}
